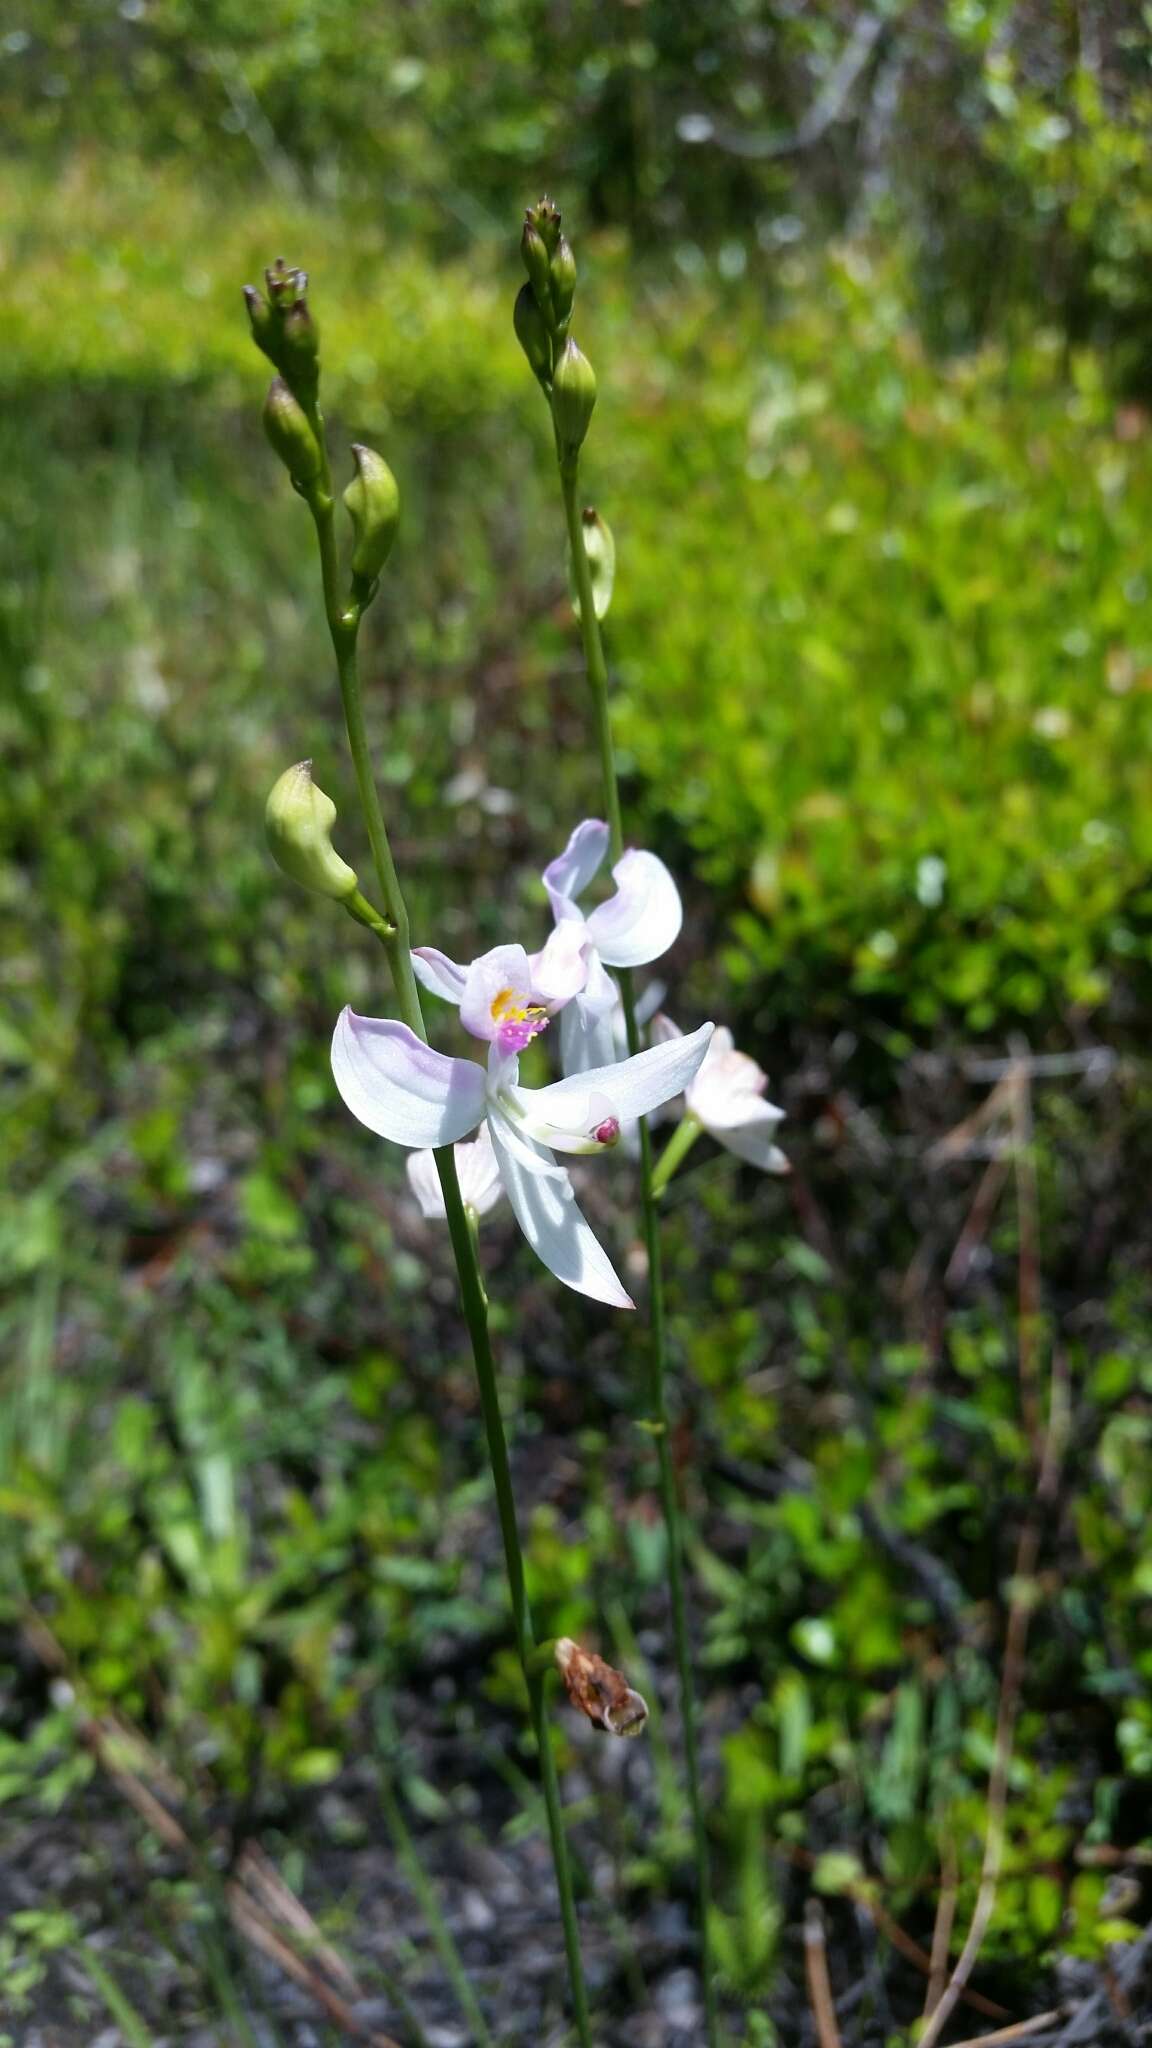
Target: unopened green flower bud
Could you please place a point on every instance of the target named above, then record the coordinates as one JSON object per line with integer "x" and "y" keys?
{"x": 261, "y": 317}
{"x": 373, "y": 503}
{"x": 562, "y": 271}
{"x": 600, "y": 549}
{"x": 291, "y": 433}
{"x": 545, "y": 218}
{"x": 532, "y": 334}
{"x": 300, "y": 349}
{"x": 298, "y": 819}
{"x": 535, "y": 257}
{"x": 573, "y": 397}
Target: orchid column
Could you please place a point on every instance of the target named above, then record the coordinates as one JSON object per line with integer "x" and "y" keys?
{"x": 542, "y": 317}
{"x": 299, "y": 822}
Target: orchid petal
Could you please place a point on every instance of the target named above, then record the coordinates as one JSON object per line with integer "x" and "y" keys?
{"x": 643, "y": 918}
{"x": 504, "y": 970}
{"x": 547, "y": 1212}
{"x": 400, "y": 1087}
{"x": 632, "y": 1087}
{"x": 480, "y": 1182}
{"x": 570, "y": 873}
{"x": 424, "y": 1182}
{"x": 587, "y": 1037}
{"x": 440, "y": 975}
{"x": 588, "y": 1026}
{"x": 560, "y": 970}
{"x": 476, "y": 1170}
{"x": 752, "y": 1140}
{"x": 649, "y": 1002}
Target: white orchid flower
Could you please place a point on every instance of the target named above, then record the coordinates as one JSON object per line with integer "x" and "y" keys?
{"x": 725, "y": 1098}
{"x": 403, "y": 1090}
{"x": 631, "y": 928}
{"x": 476, "y": 1170}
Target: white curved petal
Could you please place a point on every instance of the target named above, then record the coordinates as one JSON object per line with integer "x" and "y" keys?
{"x": 752, "y": 1140}
{"x": 476, "y": 1170}
{"x": 644, "y": 916}
{"x": 729, "y": 1089}
{"x": 549, "y": 1215}
{"x": 587, "y": 1036}
{"x": 560, "y": 970}
{"x": 399, "y": 1087}
{"x": 505, "y": 969}
{"x": 664, "y": 1031}
{"x": 632, "y": 1087}
{"x": 424, "y": 1182}
{"x": 480, "y": 1183}
{"x": 437, "y": 973}
{"x": 649, "y": 1001}
{"x": 571, "y": 871}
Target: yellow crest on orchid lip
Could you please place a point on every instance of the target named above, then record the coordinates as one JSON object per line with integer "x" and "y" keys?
{"x": 508, "y": 1008}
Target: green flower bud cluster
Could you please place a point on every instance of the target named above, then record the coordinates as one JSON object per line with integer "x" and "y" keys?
{"x": 541, "y": 316}
{"x": 283, "y": 327}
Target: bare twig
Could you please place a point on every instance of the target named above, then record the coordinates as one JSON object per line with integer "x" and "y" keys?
{"x": 1038, "y": 2024}
{"x": 1095, "y": 1060}
{"x": 942, "y": 1930}
{"x": 1028, "y": 1264}
{"x": 816, "y": 1971}
{"x": 959, "y": 1142}
{"x": 977, "y": 1220}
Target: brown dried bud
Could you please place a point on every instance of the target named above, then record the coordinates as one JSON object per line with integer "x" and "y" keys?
{"x": 599, "y": 1691}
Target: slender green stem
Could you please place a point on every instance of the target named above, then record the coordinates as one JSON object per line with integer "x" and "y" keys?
{"x": 597, "y": 669}
{"x": 675, "y": 1151}
{"x": 393, "y": 933}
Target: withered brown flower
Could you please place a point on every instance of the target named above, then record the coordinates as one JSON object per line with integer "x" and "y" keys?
{"x": 600, "y": 1692}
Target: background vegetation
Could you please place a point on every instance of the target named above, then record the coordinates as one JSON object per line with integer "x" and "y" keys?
{"x": 867, "y": 293}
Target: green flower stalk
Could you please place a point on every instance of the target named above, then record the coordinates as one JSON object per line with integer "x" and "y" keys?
{"x": 573, "y": 396}
{"x": 299, "y": 825}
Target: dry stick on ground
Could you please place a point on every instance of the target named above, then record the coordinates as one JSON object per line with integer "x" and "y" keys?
{"x": 881, "y": 1918}
{"x": 1027, "y": 1553}
{"x": 258, "y": 1926}
{"x": 816, "y": 1972}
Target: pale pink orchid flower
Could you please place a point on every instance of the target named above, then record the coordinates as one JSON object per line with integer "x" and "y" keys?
{"x": 403, "y": 1090}
{"x": 726, "y": 1098}
{"x": 630, "y": 928}
{"x": 508, "y": 996}
{"x": 476, "y": 1170}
